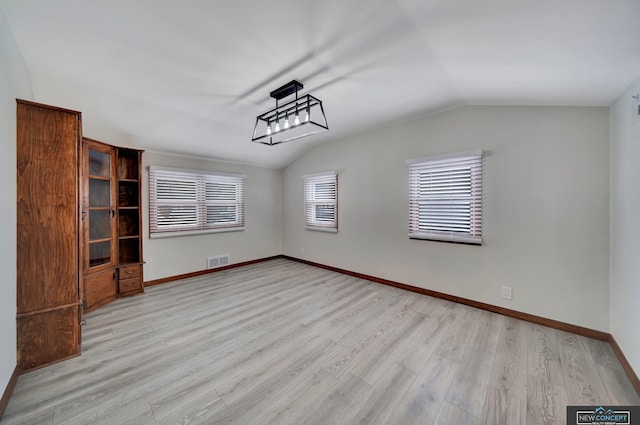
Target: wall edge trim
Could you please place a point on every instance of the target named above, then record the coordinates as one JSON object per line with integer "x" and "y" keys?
{"x": 207, "y": 271}
{"x": 4, "y": 401}
{"x": 635, "y": 381}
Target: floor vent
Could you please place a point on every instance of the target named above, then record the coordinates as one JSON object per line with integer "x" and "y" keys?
{"x": 213, "y": 262}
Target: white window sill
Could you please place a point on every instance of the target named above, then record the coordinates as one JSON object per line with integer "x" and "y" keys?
{"x": 322, "y": 229}
{"x": 470, "y": 240}
{"x": 193, "y": 232}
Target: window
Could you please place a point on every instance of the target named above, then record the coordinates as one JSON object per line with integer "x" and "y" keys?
{"x": 445, "y": 198}
{"x": 185, "y": 202}
{"x": 321, "y": 201}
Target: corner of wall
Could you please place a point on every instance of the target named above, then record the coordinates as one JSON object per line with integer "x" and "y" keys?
{"x": 14, "y": 83}
{"x": 624, "y": 232}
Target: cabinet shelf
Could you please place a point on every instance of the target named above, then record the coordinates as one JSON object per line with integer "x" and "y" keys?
{"x": 129, "y": 237}
{"x": 128, "y": 164}
{"x": 128, "y": 194}
{"x": 129, "y": 251}
{"x": 137, "y": 263}
{"x": 128, "y": 222}
{"x": 99, "y": 240}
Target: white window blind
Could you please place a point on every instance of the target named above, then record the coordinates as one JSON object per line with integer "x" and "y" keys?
{"x": 189, "y": 202}
{"x": 445, "y": 198}
{"x": 321, "y": 201}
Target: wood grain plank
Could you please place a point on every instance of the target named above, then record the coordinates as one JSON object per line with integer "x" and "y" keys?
{"x": 370, "y": 344}
{"x": 120, "y": 411}
{"x": 293, "y": 402}
{"x": 373, "y": 364}
{"x": 35, "y": 417}
{"x": 546, "y": 392}
{"x": 450, "y": 414}
{"x": 338, "y": 404}
{"x": 199, "y": 412}
{"x": 422, "y": 346}
{"x": 619, "y": 388}
{"x": 381, "y": 401}
{"x": 469, "y": 387}
{"x": 422, "y": 401}
{"x": 582, "y": 379}
{"x": 386, "y": 314}
{"x": 461, "y": 331}
{"x": 253, "y": 382}
{"x": 501, "y": 408}
{"x": 509, "y": 371}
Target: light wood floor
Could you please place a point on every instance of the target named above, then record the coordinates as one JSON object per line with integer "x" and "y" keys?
{"x": 286, "y": 343}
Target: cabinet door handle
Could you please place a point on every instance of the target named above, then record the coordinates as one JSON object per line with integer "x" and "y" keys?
{"x": 113, "y": 213}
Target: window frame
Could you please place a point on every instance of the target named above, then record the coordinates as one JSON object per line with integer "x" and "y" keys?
{"x": 313, "y": 200}
{"x": 445, "y": 203}
{"x": 200, "y": 200}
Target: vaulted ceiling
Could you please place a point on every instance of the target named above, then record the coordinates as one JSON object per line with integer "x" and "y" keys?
{"x": 190, "y": 76}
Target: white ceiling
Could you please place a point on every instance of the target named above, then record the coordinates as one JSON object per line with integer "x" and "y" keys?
{"x": 190, "y": 76}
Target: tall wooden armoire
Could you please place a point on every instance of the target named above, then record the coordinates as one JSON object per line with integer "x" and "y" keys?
{"x": 48, "y": 291}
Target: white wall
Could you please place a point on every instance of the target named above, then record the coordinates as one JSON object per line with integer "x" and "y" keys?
{"x": 625, "y": 226}
{"x": 14, "y": 83}
{"x": 261, "y": 238}
{"x": 546, "y": 209}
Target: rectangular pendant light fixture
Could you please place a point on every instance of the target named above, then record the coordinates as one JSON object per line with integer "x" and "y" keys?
{"x": 299, "y": 117}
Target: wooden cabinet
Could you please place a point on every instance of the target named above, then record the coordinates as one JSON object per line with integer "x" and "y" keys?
{"x": 79, "y": 227}
{"x": 48, "y": 307}
{"x": 111, "y": 222}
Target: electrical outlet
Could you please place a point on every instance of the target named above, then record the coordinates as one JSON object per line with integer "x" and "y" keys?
{"x": 507, "y": 292}
{"x": 301, "y": 250}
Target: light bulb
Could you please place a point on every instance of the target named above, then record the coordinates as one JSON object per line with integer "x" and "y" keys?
{"x": 296, "y": 121}
{"x": 286, "y": 123}
{"x": 269, "y": 129}
{"x": 277, "y": 126}
{"x": 306, "y": 117}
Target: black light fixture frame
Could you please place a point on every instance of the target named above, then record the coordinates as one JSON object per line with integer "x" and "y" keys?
{"x": 291, "y": 108}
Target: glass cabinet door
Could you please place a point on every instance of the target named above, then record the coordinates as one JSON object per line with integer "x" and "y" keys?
{"x": 99, "y": 206}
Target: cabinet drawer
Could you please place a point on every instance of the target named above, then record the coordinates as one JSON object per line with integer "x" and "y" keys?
{"x": 130, "y": 271}
{"x": 129, "y": 285}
